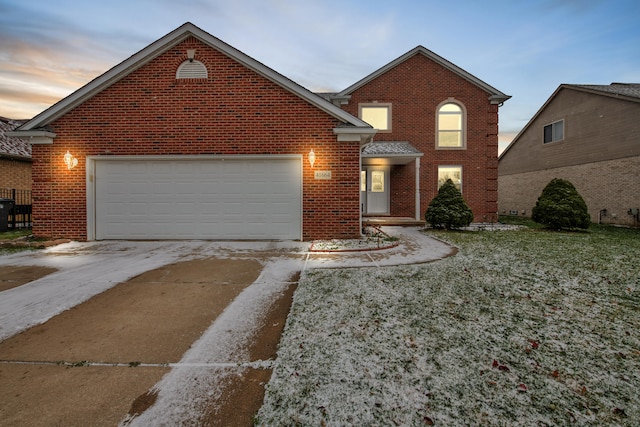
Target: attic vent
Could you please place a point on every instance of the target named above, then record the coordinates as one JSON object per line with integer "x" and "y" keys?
{"x": 192, "y": 70}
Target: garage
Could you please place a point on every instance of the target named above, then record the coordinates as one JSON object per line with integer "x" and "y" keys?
{"x": 195, "y": 197}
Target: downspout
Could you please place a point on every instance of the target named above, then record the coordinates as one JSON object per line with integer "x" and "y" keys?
{"x": 50, "y": 192}
{"x": 417, "y": 201}
{"x": 359, "y": 188}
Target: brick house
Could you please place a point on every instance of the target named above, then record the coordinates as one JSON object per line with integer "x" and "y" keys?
{"x": 15, "y": 159}
{"x": 191, "y": 138}
{"x": 435, "y": 121}
{"x": 588, "y": 135}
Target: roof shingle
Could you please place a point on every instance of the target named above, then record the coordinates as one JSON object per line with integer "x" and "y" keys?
{"x": 625, "y": 89}
{"x": 389, "y": 148}
{"x": 11, "y": 146}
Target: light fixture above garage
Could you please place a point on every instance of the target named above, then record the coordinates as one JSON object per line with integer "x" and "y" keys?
{"x": 70, "y": 161}
{"x": 312, "y": 157}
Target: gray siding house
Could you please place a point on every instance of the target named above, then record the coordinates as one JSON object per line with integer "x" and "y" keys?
{"x": 587, "y": 134}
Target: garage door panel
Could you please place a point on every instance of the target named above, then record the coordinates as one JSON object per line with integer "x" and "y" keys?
{"x": 208, "y": 198}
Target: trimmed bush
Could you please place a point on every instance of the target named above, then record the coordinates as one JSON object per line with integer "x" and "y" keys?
{"x": 561, "y": 206}
{"x": 448, "y": 209}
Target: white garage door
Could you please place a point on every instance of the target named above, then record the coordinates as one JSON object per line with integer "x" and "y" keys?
{"x": 196, "y": 198}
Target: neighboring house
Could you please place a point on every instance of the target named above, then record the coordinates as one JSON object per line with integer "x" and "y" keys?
{"x": 588, "y": 135}
{"x": 15, "y": 159}
{"x": 434, "y": 121}
{"x": 192, "y": 139}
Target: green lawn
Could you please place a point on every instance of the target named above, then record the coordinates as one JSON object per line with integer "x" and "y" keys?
{"x": 524, "y": 327}
{"x": 10, "y": 235}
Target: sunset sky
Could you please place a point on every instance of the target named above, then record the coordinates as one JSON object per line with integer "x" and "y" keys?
{"x": 48, "y": 49}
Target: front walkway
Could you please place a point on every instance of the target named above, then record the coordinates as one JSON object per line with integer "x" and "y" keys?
{"x": 392, "y": 221}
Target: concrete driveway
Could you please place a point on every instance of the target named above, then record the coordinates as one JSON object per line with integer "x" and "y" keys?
{"x": 150, "y": 333}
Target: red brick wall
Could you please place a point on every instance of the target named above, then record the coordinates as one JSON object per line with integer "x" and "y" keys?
{"x": 233, "y": 111}
{"x": 415, "y": 89}
{"x": 15, "y": 174}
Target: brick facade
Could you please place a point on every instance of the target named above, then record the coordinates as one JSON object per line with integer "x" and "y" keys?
{"x": 612, "y": 190}
{"x": 415, "y": 88}
{"x": 140, "y": 108}
{"x": 15, "y": 157}
{"x": 234, "y": 111}
{"x": 15, "y": 174}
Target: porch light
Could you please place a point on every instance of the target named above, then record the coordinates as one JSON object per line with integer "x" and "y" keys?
{"x": 70, "y": 161}
{"x": 312, "y": 157}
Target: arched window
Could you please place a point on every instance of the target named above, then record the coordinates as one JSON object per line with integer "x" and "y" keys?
{"x": 451, "y": 125}
{"x": 192, "y": 69}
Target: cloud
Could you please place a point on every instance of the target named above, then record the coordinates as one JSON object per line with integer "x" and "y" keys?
{"x": 44, "y": 57}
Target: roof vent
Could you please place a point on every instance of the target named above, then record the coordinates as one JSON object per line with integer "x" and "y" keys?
{"x": 192, "y": 69}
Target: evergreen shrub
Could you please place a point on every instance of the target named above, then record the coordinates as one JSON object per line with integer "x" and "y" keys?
{"x": 560, "y": 206}
{"x": 448, "y": 208}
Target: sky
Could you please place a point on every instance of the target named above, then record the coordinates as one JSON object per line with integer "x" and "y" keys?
{"x": 524, "y": 48}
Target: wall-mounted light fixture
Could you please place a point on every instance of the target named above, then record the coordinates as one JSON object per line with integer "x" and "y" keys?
{"x": 70, "y": 161}
{"x": 312, "y": 157}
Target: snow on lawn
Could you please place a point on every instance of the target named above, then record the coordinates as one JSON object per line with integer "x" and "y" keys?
{"x": 520, "y": 328}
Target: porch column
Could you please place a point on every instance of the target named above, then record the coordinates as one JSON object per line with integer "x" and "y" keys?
{"x": 418, "y": 213}
{"x": 360, "y": 190}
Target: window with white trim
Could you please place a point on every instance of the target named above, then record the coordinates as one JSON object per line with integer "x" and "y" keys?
{"x": 451, "y": 124}
{"x": 554, "y": 132}
{"x": 377, "y": 115}
{"x": 454, "y": 173}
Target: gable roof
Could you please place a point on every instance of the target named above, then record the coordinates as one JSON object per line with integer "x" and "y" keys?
{"x": 11, "y": 147}
{"x": 630, "y": 91}
{"x": 624, "y": 91}
{"x": 37, "y": 125}
{"x": 495, "y": 95}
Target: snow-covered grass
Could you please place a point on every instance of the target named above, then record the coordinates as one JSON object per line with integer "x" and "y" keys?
{"x": 519, "y": 328}
{"x": 372, "y": 239}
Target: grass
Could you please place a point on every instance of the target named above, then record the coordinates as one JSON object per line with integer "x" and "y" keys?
{"x": 10, "y": 235}
{"x": 521, "y": 328}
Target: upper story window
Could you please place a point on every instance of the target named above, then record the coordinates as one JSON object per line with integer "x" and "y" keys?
{"x": 554, "y": 132}
{"x": 451, "y": 126}
{"x": 377, "y": 115}
{"x": 192, "y": 69}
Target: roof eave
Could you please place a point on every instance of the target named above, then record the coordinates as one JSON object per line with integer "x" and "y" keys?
{"x": 498, "y": 99}
{"x": 526, "y": 126}
{"x": 161, "y": 45}
{"x": 355, "y": 134}
{"x": 594, "y": 91}
{"x": 16, "y": 157}
{"x": 391, "y": 155}
{"x": 33, "y": 136}
{"x": 495, "y": 93}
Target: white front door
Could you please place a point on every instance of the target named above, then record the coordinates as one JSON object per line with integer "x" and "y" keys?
{"x": 375, "y": 190}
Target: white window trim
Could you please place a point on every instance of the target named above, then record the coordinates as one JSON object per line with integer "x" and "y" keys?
{"x": 564, "y": 131}
{"x": 386, "y": 105}
{"x": 451, "y": 166}
{"x": 463, "y": 146}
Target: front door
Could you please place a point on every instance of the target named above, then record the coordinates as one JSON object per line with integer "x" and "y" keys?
{"x": 374, "y": 190}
